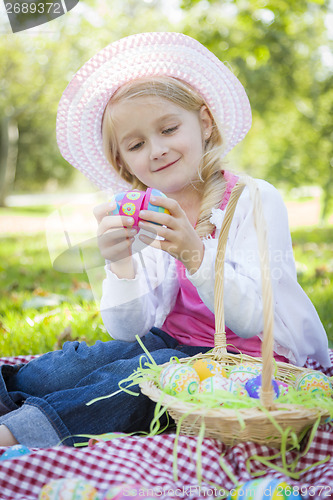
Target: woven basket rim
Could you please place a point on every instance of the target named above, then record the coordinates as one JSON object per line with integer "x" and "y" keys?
{"x": 293, "y": 411}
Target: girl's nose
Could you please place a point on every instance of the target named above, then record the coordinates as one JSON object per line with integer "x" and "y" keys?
{"x": 158, "y": 149}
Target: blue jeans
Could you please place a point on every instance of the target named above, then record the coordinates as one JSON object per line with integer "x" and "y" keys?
{"x": 44, "y": 401}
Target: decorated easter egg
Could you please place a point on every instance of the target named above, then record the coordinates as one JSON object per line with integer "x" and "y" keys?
{"x": 283, "y": 387}
{"x": 244, "y": 372}
{"x": 266, "y": 488}
{"x": 253, "y": 387}
{"x": 176, "y": 378}
{"x": 207, "y": 368}
{"x": 126, "y": 491}
{"x": 130, "y": 203}
{"x": 219, "y": 383}
{"x": 17, "y": 450}
{"x": 315, "y": 382}
{"x": 68, "y": 489}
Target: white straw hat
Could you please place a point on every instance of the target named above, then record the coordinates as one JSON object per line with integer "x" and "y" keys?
{"x": 138, "y": 56}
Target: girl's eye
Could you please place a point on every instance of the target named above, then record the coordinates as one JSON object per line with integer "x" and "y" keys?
{"x": 170, "y": 130}
{"x": 136, "y": 146}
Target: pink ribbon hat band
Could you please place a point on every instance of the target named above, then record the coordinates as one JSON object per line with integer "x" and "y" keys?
{"x": 138, "y": 56}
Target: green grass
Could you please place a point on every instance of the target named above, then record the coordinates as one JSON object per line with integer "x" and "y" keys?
{"x": 29, "y": 326}
{"x": 313, "y": 250}
{"x": 33, "y": 211}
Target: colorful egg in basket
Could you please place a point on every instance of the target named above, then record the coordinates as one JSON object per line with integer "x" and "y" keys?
{"x": 253, "y": 387}
{"x": 243, "y": 372}
{"x": 176, "y": 378}
{"x": 208, "y": 367}
{"x": 266, "y": 488}
{"x": 283, "y": 387}
{"x": 218, "y": 383}
{"x": 68, "y": 489}
{"x": 315, "y": 382}
{"x": 130, "y": 203}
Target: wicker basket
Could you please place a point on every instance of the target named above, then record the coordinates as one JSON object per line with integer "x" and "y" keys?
{"x": 221, "y": 423}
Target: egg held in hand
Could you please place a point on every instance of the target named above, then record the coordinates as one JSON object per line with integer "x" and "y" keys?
{"x": 129, "y": 203}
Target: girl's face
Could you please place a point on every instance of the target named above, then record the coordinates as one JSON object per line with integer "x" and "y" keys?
{"x": 161, "y": 143}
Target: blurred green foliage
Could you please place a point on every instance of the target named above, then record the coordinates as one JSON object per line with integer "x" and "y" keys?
{"x": 279, "y": 49}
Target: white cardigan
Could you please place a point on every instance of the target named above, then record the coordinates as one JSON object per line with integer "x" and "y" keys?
{"x": 133, "y": 307}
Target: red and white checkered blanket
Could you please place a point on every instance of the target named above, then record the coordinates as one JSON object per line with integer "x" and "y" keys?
{"x": 149, "y": 462}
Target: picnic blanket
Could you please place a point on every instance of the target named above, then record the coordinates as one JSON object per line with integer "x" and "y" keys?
{"x": 150, "y": 461}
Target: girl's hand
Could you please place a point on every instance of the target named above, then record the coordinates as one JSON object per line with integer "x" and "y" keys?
{"x": 180, "y": 239}
{"x": 115, "y": 237}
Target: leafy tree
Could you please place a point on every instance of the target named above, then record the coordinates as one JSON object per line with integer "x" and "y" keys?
{"x": 35, "y": 69}
{"x": 275, "y": 47}
{"x": 32, "y": 76}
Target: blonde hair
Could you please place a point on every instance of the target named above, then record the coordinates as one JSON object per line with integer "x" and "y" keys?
{"x": 211, "y": 183}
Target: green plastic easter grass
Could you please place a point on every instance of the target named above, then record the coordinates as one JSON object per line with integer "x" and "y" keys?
{"x": 289, "y": 439}
{"x": 154, "y": 429}
{"x": 109, "y": 436}
{"x": 155, "y": 426}
{"x": 200, "y": 439}
{"x": 288, "y": 469}
{"x": 150, "y": 371}
{"x": 198, "y": 464}
{"x": 134, "y": 378}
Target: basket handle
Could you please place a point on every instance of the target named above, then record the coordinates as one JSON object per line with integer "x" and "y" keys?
{"x": 267, "y": 392}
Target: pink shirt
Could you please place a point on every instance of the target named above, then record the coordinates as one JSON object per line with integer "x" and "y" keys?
{"x": 192, "y": 323}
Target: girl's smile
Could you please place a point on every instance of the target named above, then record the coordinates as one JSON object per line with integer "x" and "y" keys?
{"x": 166, "y": 166}
{"x": 160, "y": 142}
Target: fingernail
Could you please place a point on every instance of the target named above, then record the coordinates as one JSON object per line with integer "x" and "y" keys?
{"x": 130, "y": 220}
{"x": 152, "y": 198}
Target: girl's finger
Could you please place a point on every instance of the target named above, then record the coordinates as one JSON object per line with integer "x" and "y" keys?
{"x": 153, "y": 242}
{"x": 168, "y": 203}
{"x": 157, "y": 230}
{"x": 117, "y": 234}
{"x": 160, "y": 245}
{"x": 113, "y": 222}
{"x": 104, "y": 209}
{"x": 157, "y": 217}
{"x": 118, "y": 251}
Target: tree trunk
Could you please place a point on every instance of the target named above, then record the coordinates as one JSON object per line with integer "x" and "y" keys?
{"x": 8, "y": 155}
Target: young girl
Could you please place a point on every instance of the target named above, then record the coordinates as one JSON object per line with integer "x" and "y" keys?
{"x": 159, "y": 110}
